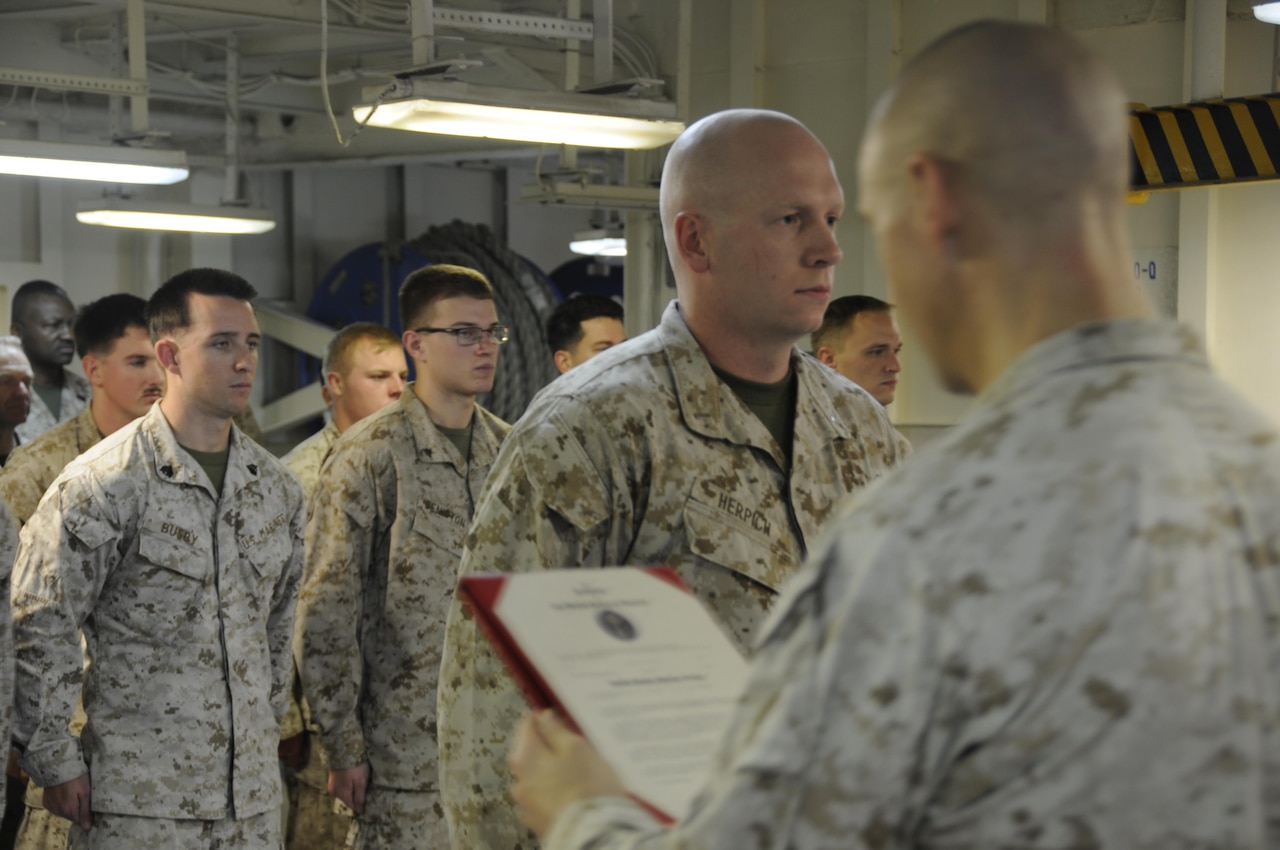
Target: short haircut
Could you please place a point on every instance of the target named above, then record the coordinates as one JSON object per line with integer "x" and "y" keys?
{"x": 100, "y": 323}
{"x": 337, "y": 354}
{"x": 564, "y": 326}
{"x": 30, "y": 291}
{"x": 169, "y": 309}
{"x": 430, "y": 284}
{"x": 840, "y": 313}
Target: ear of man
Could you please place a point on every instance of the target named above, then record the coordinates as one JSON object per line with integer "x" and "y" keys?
{"x": 691, "y": 241}
{"x": 167, "y": 354}
{"x": 562, "y": 359}
{"x": 92, "y": 367}
{"x": 825, "y": 355}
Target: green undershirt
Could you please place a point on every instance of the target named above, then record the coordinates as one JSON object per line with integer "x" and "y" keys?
{"x": 774, "y": 404}
{"x": 460, "y": 437}
{"x": 214, "y": 464}
{"x": 52, "y": 398}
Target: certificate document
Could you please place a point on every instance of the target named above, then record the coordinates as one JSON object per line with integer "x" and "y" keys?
{"x": 627, "y": 655}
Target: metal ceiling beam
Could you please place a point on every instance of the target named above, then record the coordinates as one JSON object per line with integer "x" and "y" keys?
{"x": 72, "y": 82}
{"x": 39, "y": 10}
{"x": 287, "y": 11}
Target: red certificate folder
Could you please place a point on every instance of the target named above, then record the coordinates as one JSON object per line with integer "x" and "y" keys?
{"x": 632, "y": 673}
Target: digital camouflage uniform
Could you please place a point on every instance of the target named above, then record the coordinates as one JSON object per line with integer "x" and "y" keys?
{"x": 28, "y": 473}
{"x": 643, "y": 456}
{"x": 313, "y": 824}
{"x": 75, "y": 395}
{"x": 8, "y": 551}
{"x": 186, "y": 600}
{"x": 1057, "y": 627}
{"x": 308, "y": 456}
{"x": 384, "y": 537}
{"x": 33, "y": 466}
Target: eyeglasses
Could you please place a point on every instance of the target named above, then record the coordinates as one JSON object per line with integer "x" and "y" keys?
{"x": 468, "y": 336}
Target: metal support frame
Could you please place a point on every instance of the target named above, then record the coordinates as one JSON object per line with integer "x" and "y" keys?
{"x": 602, "y": 14}
{"x": 231, "y": 184}
{"x": 136, "y": 31}
{"x": 422, "y": 29}
{"x": 72, "y": 82}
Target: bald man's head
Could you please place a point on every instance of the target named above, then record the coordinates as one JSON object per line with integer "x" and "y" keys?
{"x": 1028, "y": 115}
{"x": 712, "y": 162}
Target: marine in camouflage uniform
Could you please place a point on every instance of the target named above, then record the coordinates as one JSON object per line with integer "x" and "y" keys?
{"x": 363, "y": 370}
{"x": 24, "y": 479}
{"x": 384, "y": 536}
{"x": 643, "y": 455}
{"x": 1059, "y": 625}
{"x": 33, "y": 466}
{"x": 75, "y": 395}
{"x": 185, "y": 592}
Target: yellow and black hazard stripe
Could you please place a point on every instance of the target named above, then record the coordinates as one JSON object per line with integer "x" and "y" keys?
{"x": 1204, "y": 143}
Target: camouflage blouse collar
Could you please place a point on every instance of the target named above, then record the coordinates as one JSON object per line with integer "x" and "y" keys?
{"x": 87, "y": 434}
{"x": 430, "y": 443}
{"x": 175, "y": 465}
{"x": 1097, "y": 344}
{"x": 699, "y": 390}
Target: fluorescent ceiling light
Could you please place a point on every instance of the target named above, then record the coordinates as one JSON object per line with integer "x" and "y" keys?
{"x": 188, "y": 218}
{"x": 1267, "y": 12}
{"x": 599, "y": 243}
{"x": 104, "y": 163}
{"x": 558, "y": 118}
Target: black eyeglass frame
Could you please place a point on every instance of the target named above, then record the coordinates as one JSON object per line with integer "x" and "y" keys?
{"x": 498, "y": 334}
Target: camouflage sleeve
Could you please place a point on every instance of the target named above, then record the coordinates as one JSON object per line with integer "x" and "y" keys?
{"x": 281, "y": 621}
{"x": 810, "y": 709}
{"x": 544, "y": 505}
{"x": 65, "y": 554}
{"x": 19, "y": 484}
{"x": 339, "y": 543}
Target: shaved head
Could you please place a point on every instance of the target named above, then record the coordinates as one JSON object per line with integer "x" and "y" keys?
{"x": 1031, "y": 117}
{"x": 712, "y": 162}
{"x": 993, "y": 176}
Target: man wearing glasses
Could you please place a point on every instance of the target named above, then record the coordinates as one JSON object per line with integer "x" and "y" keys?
{"x": 384, "y": 538}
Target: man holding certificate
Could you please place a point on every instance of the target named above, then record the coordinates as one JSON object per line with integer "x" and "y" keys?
{"x": 710, "y": 443}
{"x": 1060, "y": 625}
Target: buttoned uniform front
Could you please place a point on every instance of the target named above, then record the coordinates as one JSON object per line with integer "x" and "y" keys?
{"x": 33, "y": 466}
{"x": 384, "y": 537}
{"x": 186, "y": 600}
{"x": 1058, "y": 626}
{"x": 643, "y": 456}
{"x": 76, "y": 393}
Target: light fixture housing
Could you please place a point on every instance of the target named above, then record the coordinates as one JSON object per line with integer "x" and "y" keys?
{"x": 104, "y": 163}
{"x": 599, "y": 242}
{"x": 1267, "y": 12}
{"x": 547, "y": 117}
{"x": 185, "y": 218}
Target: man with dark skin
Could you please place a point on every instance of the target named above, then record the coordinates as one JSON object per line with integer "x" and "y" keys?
{"x": 42, "y": 319}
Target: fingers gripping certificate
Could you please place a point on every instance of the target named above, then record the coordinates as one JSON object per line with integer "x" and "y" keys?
{"x": 630, "y": 657}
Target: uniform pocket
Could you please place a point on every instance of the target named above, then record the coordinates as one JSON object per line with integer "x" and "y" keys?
{"x": 736, "y": 545}
{"x": 163, "y": 549}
